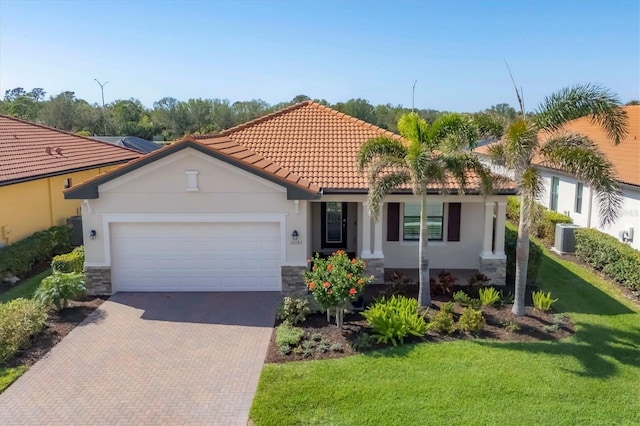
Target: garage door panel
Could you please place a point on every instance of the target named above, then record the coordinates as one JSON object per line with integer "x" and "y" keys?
{"x": 196, "y": 257}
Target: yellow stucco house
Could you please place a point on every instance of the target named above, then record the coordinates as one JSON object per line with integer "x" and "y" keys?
{"x": 36, "y": 164}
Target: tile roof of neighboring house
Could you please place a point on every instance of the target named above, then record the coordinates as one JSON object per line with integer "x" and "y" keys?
{"x": 219, "y": 147}
{"x": 31, "y": 151}
{"x": 625, "y": 156}
{"x": 315, "y": 142}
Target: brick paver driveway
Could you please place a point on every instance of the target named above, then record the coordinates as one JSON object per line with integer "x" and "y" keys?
{"x": 151, "y": 358}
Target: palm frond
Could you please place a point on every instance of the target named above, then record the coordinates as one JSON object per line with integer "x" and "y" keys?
{"x": 531, "y": 188}
{"x": 588, "y": 100}
{"x": 490, "y": 126}
{"x": 577, "y": 155}
{"x": 520, "y": 144}
{"x": 497, "y": 154}
{"x": 381, "y": 186}
{"x": 453, "y": 132}
{"x": 380, "y": 146}
{"x": 413, "y": 128}
{"x": 382, "y": 164}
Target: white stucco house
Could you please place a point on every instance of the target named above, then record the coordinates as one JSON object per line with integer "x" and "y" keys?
{"x": 245, "y": 209}
{"x": 574, "y": 198}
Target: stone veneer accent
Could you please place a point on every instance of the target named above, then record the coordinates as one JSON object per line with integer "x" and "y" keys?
{"x": 375, "y": 267}
{"x": 98, "y": 280}
{"x": 495, "y": 269}
{"x": 293, "y": 281}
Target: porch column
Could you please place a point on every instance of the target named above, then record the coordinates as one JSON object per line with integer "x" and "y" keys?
{"x": 488, "y": 229}
{"x": 365, "y": 230}
{"x": 372, "y": 245}
{"x": 501, "y": 215}
{"x": 377, "y": 238}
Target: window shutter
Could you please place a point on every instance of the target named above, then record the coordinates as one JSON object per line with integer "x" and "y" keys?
{"x": 453, "y": 227}
{"x": 393, "y": 221}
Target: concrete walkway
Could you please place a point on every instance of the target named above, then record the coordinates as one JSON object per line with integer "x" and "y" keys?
{"x": 151, "y": 358}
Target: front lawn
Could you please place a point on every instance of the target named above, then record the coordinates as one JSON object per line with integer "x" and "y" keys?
{"x": 591, "y": 378}
{"x": 9, "y": 375}
{"x": 24, "y": 289}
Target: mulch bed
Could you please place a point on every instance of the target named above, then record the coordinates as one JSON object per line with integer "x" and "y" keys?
{"x": 58, "y": 325}
{"x": 534, "y": 326}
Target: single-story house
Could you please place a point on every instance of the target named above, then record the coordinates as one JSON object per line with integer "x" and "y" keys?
{"x": 566, "y": 194}
{"x": 246, "y": 208}
{"x": 570, "y": 196}
{"x": 132, "y": 142}
{"x": 36, "y": 164}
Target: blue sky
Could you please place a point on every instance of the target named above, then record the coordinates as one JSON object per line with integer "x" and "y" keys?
{"x": 325, "y": 49}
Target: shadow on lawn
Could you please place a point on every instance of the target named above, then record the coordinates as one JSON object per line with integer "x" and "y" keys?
{"x": 592, "y": 346}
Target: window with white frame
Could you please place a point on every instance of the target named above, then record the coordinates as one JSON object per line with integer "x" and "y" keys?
{"x": 411, "y": 221}
{"x": 579, "y": 189}
{"x": 555, "y": 185}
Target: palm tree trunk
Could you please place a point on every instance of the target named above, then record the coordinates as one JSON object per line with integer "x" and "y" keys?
{"x": 424, "y": 290}
{"x": 522, "y": 256}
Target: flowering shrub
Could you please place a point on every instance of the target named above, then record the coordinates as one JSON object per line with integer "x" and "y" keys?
{"x": 336, "y": 281}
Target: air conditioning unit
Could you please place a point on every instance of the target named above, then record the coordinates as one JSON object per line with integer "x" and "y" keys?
{"x": 565, "y": 241}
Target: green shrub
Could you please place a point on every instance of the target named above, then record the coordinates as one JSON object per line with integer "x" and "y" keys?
{"x": 58, "y": 288}
{"x": 612, "y": 257}
{"x": 361, "y": 342}
{"x": 69, "y": 262}
{"x": 547, "y": 228}
{"x": 471, "y": 321}
{"x": 286, "y": 334}
{"x": 395, "y": 318}
{"x": 443, "y": 322}
{"x": 294, "y": 310}
{"x": 448, "y": 307}
{"x": 19, "y": 320}
{"x": 542, "y": 301}
{"x": 20, "y": 257}
{"x": 337, "y": 347}
{"x": 506, "y": 299}
{"x": 489, "y": 296}
{"x": 461, "y": 298}
{"x": 535, "y": 258}
{"x": 513, "y": 208}
{"x": 511, "y": 326}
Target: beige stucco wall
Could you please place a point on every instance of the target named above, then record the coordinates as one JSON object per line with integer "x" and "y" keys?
{"x": 461, "y": 254}
{"x": 159, "y": 189}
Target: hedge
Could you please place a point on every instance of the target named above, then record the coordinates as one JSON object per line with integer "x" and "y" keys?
{"x": 19, "y": 320}
{"x": 535, "y": 258}
{"x": 607, "y": 254}
{"x": 20, "y": 257}
{"x": 69, "y": 262}
{"x": 545, "y": 220}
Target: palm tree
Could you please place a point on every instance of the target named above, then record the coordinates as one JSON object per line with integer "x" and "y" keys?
{"x": 426, "y": 156}
{"x": 540, "y": 136}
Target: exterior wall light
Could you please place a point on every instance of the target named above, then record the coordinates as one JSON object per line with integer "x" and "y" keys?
{"x": 93, "y": 234}
{"x": 294, "y": 235}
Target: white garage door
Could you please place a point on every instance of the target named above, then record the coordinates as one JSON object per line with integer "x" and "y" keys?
{"x": 195, "y": 256}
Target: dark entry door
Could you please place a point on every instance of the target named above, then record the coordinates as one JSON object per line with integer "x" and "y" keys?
{"x": 334, "y": 225}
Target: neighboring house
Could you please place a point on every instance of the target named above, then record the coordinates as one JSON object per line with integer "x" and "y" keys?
{"x": 132, "y": 142}
{"x": 36, "y": 164}
{"x": 566, "y": 194}
{"x": 574, "y": 198}
{"x": 246, "y": 208}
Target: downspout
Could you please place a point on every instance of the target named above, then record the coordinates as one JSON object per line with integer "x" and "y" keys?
{"x": 590, "y": 205}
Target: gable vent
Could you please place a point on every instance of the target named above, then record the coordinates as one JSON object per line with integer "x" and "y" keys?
{"x": 192, "y": 180}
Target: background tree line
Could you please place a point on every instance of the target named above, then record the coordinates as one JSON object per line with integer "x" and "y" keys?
{"x": 170, "y": 118}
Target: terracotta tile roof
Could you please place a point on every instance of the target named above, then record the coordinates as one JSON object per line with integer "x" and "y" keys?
{"x": 625, "y": 156}
{"x": 29, "y": 151}
{"x": 231, "y": 149}
{"x": 315, "y": 142}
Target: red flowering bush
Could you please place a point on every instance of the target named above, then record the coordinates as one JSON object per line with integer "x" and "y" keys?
{"x": 336, "y": 281}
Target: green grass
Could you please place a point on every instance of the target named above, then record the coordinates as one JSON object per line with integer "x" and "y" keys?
{"x": 592, "y": 378}
{"x": 25, "y": 289}
{"x": 9, "y": 375}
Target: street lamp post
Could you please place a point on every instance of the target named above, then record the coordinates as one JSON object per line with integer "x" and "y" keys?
{"x": 104, "y": 116}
